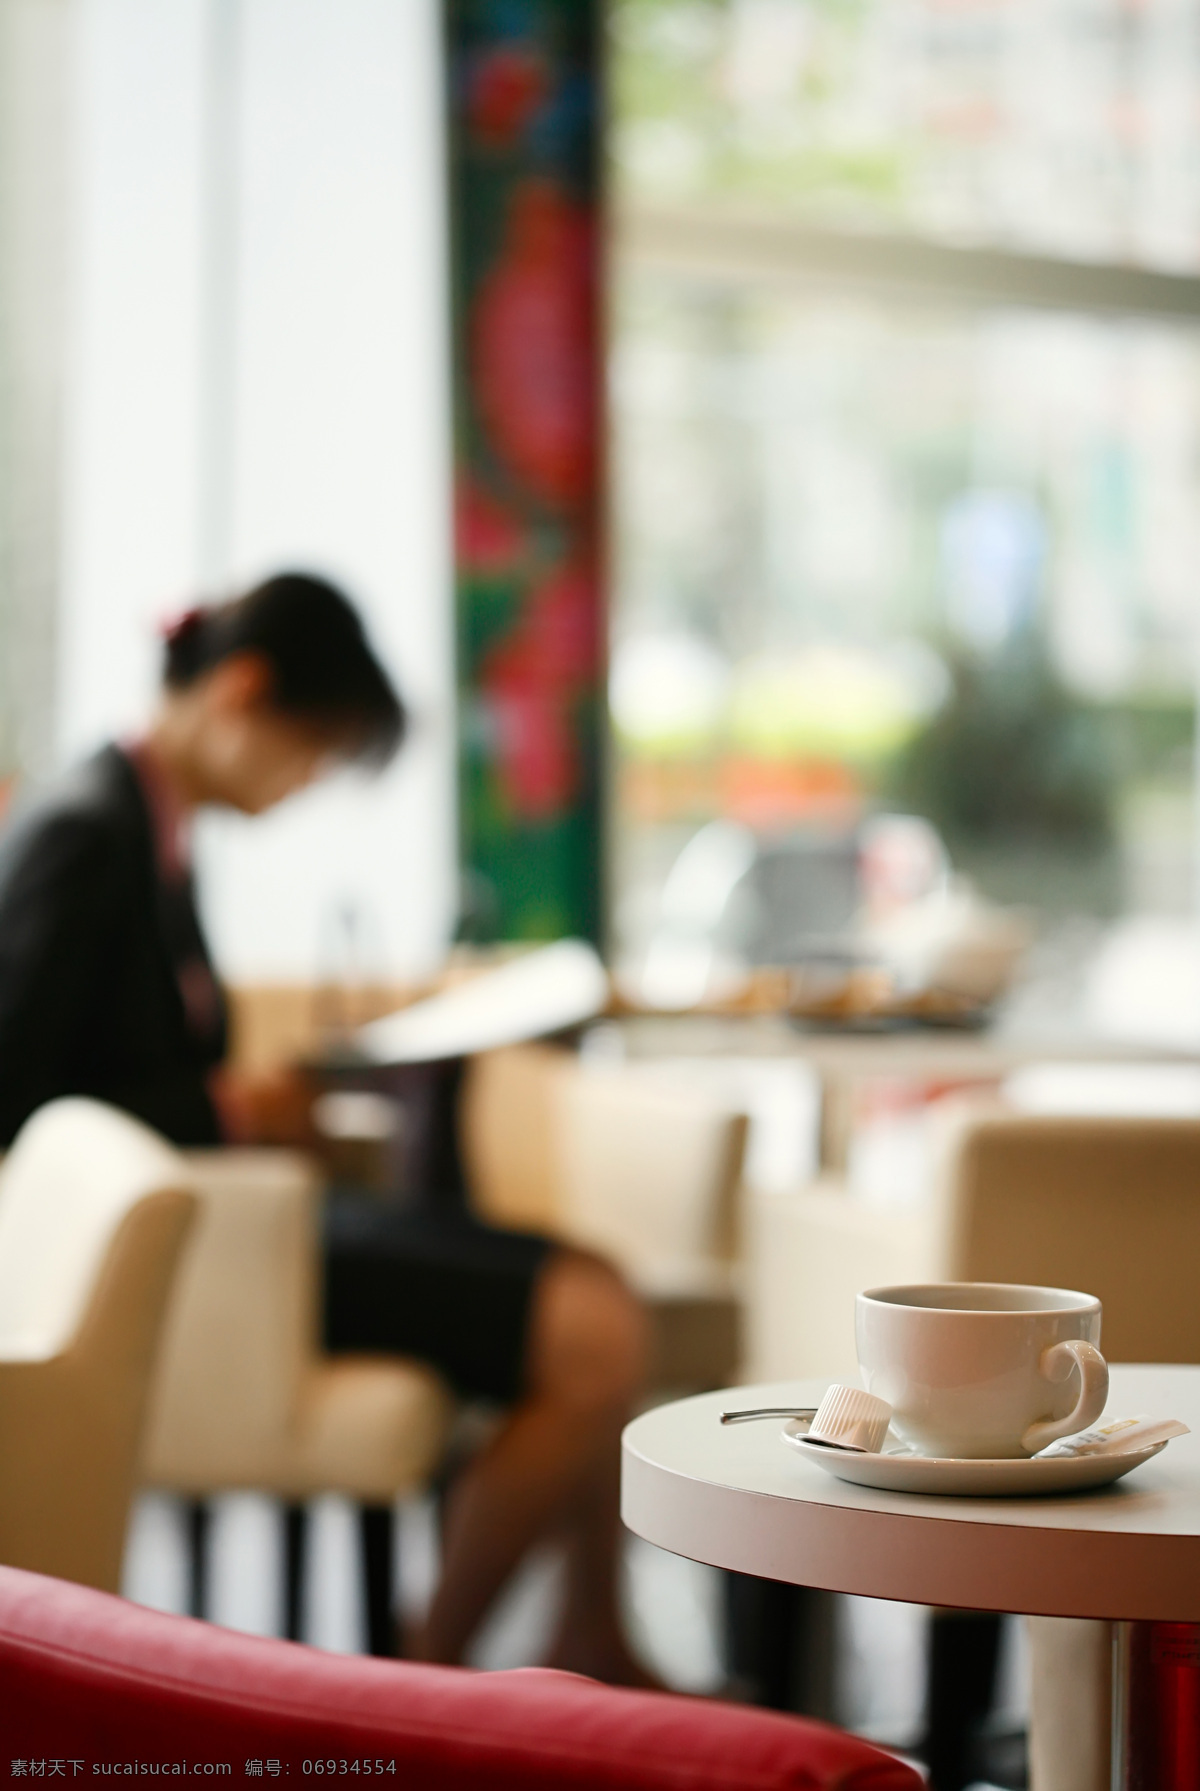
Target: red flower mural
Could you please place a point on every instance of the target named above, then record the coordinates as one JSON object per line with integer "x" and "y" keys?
{"x": 525, "y": 164}
{"x": 488, "y": 538}
{"x": 533, "y": 346}
{"x": 505, "y": 87}
{"x": 531, "y": 682}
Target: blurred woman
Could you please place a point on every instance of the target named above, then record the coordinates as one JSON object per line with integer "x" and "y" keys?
{"x": 107, "y": 989}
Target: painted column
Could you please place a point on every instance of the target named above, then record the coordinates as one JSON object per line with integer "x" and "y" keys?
{"x": 524, "y": 81}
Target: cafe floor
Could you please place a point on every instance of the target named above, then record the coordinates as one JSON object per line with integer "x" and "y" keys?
{"x": 674, "y": 1606}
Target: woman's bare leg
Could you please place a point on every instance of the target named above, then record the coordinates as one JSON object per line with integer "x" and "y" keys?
{"x": 590, "y": 1637}
{"x": 551, "y": 1468}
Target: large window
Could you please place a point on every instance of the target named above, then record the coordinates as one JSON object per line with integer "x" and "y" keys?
{"x": 907, "y": 434}
{"x": 1065, "y": 126}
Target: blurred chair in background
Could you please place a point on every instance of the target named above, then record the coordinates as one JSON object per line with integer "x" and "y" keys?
{"x": 607, "y": 1159}
{"x": 94, "y": 1209}
{"x": 736, "y": 898}
{"x": 1106, "y": 1203}
{"x": 732, "y": 899}
{"x": 245, "y": 1399}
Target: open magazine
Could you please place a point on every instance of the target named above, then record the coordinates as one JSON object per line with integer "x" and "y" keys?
{"x": 540, "y": 992}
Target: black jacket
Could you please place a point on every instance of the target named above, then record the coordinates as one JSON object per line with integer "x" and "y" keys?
{"x": 95, "y": 950}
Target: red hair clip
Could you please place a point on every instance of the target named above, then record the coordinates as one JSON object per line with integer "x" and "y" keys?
{"x": 176, "y": 627}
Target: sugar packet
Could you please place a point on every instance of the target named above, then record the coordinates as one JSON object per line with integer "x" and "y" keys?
{"x": 1114, "y": 1437}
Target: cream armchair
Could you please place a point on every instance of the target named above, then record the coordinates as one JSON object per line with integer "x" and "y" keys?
{"x": 614, "y": 1160}
{"x": 1111, "y": 1205}
{"x": 246, "y": 1399}
{"x": 93, "y": 1213}
{"x": 1107, "y": 1204}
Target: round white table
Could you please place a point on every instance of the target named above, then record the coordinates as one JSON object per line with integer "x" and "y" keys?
{"x": 736, "y": 1496}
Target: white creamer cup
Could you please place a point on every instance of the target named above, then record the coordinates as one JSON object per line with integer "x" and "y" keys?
{"x": 982, "y": 1369}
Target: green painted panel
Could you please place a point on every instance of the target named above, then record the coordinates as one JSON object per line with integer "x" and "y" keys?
{"x": 525, "y": 230}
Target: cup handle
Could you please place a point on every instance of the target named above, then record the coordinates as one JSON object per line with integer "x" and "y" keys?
{"x": 1056, "y": 1364}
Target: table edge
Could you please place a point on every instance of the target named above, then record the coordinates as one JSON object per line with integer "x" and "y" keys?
{"x": 912, "y": 1558}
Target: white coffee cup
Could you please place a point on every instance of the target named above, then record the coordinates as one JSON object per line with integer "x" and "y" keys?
{"x": 982, "y": 1369}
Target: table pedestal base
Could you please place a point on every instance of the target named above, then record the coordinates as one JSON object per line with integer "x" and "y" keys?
{"x": 1156, "y": 1707}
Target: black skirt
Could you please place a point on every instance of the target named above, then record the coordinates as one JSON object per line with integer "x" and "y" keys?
{"x": 435, "y": 1283}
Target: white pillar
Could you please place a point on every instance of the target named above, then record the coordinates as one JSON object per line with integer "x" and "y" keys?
{"x": 33, "y": 219}
{"x": 259, "y": 381}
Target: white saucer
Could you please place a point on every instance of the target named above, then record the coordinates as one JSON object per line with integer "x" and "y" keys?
{"x": 897, "y": 1469}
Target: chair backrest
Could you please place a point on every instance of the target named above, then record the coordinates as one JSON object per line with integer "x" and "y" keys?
{"x": 93, "y": 1214}
{"x": 651, "y": 1175}
{"x": 508, "y": 1132}
{"x": 606, "y": 1157}
{"x": 806, "y": 889}
{"x": 241, "y": 1334}
{"x": 88, "y": 1676}
{"x": 75, "y": 1171}
{"x": 1111, "y": 1206}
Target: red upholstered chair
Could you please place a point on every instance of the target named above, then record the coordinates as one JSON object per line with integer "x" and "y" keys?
{"x": 88, "y": 1678}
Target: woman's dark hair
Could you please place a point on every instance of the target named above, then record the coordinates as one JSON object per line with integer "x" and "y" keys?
{"x": 322, "y": 666}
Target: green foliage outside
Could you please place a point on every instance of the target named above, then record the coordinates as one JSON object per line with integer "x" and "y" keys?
{"x": 1012, "y": 752}
{"x": 683, "y": 123}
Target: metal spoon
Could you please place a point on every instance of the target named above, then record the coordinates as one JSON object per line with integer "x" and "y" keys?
{"x": 770, "y": 1411}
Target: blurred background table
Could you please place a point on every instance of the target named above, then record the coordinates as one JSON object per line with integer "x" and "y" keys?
{"x": 843, "y": 1060}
